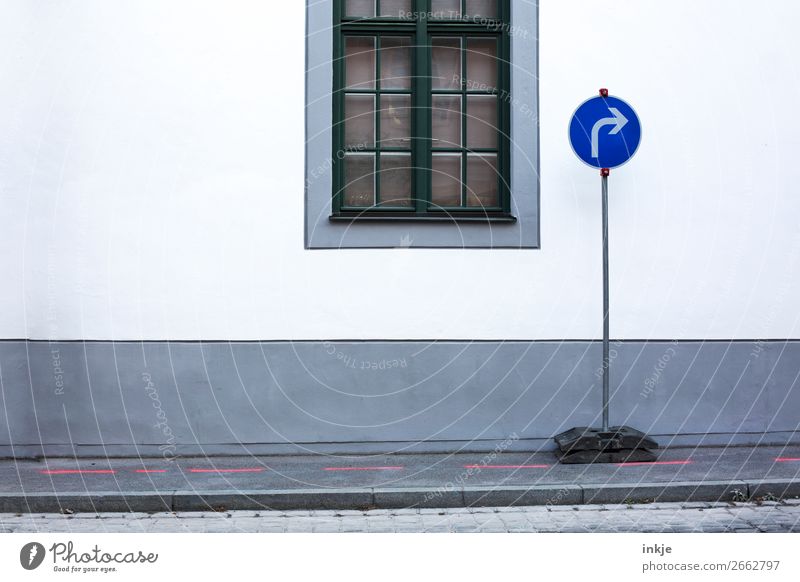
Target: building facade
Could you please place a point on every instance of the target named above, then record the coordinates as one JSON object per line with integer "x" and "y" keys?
{"x": 244, "y": 227}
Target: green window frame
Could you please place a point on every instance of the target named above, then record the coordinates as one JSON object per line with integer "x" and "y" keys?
{"x": 422, "y": 30}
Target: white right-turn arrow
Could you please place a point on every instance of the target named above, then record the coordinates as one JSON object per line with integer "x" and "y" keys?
{"x": 618, "y": 121}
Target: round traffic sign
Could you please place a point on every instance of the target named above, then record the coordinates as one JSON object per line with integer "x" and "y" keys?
{"x": 605, "y": 132}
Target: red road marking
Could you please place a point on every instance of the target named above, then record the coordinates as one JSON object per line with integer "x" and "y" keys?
{"x": 787, "y": 459}
{"x": 363, "y": 468}
{"x": 637, "y": 463}
{"x": 77, "y": 472}
{"x": 244, "y": 470}
{"x": 150, "y": 471}
{"x": 506, "y": 466}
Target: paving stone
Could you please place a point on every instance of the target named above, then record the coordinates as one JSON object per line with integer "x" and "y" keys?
{"x": 662, "y": 517}
{"x": 695, "y": 505}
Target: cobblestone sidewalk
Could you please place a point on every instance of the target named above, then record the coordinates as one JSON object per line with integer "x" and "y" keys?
{"x": 656, "y": 517}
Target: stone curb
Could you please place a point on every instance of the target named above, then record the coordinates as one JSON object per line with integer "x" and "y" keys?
{"x": 666, "y": 492}
{"x": 397, "y": 498}
{"x": 781, "y": 488}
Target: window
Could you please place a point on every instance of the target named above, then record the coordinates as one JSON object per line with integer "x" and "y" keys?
{"x": 409, "y": 150}
{"x": 421, "y": 110}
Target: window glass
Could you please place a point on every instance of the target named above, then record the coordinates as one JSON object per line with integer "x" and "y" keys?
{"x": 481, "y": 64}
{"x": 395, "y": 180}
{"x": 481, "y": 9}
{"x": 446, "y": 180}
{"x": 395, "y": 62}
{"x": 396, "y": 8}
{"x": 446, "y": 8}
{"x": 359, "y": 62}
{"x": 482, "y": 121}
{"x": 482, "y": 180}
{"x": 359, "y": 121}
{"x": 359, "y": 8}
{"x": 359, "y": 187}
{"x": 446, "y": 121}
{"x": 446, "y": 63}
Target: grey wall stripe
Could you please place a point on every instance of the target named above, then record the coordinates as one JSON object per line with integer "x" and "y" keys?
{"x": 156, "y": 398}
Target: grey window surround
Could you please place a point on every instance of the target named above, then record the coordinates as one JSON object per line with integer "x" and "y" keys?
{"x": 323, "y": 233}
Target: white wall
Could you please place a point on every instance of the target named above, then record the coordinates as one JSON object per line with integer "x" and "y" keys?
{"x": 151, "y": 182}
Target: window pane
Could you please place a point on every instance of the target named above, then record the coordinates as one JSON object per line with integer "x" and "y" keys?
{"x": 359, "y": 123}
{"x": 482, "y": 121}
{"x": 396, "y": 121}
{"x": 481, "y": 64}
{"x": 359, "y": 180}
{"x": 360, "y": 62}
{"x": 446, "y": 8}
{"x": 482, "y": 8}
{"x": 446, "y": 63}
{"x": 395, "y": 177}
{"x": 482, "y": 180}
{"x": 446, "y": 121}
{"x": 396, "y": 8}
{"x": 360, "y": 8}
{"x": 396, "y": 62}
{"x": 446, "y": 180}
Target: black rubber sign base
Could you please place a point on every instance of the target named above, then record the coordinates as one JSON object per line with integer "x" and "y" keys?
{"x": 618, "y": 444}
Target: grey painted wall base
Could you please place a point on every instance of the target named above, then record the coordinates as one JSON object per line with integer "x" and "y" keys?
{"x": 190, "y": 398}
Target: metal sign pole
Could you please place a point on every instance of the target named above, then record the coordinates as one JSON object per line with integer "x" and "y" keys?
{"x": 606, "y": 363}
{"x": 605, "y": 132}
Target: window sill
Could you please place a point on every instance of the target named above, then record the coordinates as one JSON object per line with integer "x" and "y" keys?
{"x": 401, "y": 217}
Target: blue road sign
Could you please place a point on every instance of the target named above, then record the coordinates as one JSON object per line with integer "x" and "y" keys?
{"x": 605, "y": 132}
